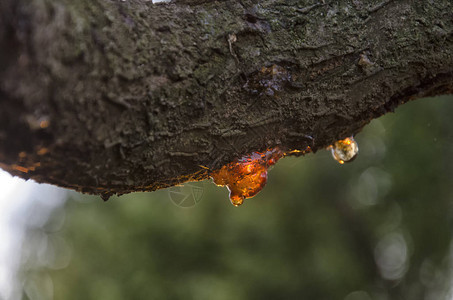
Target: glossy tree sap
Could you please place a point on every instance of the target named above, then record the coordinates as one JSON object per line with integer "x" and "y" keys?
{"x": 246, "y": 176}
{"x": 344, "y": 150}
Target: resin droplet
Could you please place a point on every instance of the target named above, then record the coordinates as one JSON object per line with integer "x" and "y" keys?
{"x": 247, "y": 176}
{"x": 344, "y": 150}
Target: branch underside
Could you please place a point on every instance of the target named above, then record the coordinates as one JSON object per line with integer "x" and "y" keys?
{"x": 113, "y": 97}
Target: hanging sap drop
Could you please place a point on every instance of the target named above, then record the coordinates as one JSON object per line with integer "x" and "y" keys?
{"x": 247, "y": 176}
{"x": 236, "y": 200}
{"x": 344, "y": 150}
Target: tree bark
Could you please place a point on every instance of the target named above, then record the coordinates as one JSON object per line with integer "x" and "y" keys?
{"x": 118, "y": 96}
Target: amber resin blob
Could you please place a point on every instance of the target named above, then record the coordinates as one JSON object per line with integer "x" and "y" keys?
{"x": 246, "y": 176}
{"x": 344, "y": 150}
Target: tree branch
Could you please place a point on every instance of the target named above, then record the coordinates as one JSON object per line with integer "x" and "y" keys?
{"x": 119, "y": 96}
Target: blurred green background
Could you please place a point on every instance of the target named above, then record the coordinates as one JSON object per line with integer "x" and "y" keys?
{"x": 379, "y": 227}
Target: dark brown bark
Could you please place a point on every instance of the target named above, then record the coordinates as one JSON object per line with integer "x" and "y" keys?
{"x": 119, "y": 96}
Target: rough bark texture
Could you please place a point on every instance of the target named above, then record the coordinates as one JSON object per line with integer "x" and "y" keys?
{"x": 118, "y": 96}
